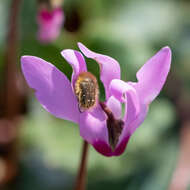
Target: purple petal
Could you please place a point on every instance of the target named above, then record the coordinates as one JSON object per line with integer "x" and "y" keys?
{"x": 52, "y": 88}
{"x": 76, "y": 60}
{"x": 109, "y": 67}
{"x": 115, "y": 106}
{"x": 152, "y": 75}
{"x": 93, "y": 125}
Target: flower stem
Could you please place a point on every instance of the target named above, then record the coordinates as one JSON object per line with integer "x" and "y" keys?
{"x": 81, "y": 176}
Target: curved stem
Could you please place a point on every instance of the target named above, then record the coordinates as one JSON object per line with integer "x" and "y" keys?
{"x": 81, "y": 177}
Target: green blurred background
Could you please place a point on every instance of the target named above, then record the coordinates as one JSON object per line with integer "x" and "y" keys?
{"x": 131, "y": 31}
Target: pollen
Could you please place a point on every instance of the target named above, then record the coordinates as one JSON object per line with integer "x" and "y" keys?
{"x": 86, "y": 91}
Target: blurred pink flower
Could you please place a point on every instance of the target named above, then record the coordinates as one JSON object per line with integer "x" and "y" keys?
{"x": 103, "y": 125}
{"x": 50, "y": 24}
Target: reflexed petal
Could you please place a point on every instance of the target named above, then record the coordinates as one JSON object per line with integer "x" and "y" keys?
{"x": 109, "y": 67}
{"x": 52, "y": 88}
{"x": 115, "y": 106}
{"x": 152, "y": 75}
{"x": 76, "y": 60}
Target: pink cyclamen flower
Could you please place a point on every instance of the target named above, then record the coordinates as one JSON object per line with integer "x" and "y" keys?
{"x": 50, "y": 23}
{"x": 101, "y": 125}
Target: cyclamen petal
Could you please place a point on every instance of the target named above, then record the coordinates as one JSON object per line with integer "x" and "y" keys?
{"x": 93, "y": 125}
{"x": 152, "y": 75}
{"x": 52, "y": 88}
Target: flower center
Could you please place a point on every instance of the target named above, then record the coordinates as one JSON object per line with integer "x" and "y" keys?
{"x": 86, "y": 90}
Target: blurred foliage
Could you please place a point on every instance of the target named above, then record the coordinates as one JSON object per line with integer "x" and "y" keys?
{"x": 131, "y": 32}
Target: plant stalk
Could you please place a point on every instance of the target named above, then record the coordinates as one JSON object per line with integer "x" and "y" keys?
{"x": 81, "y": 176}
